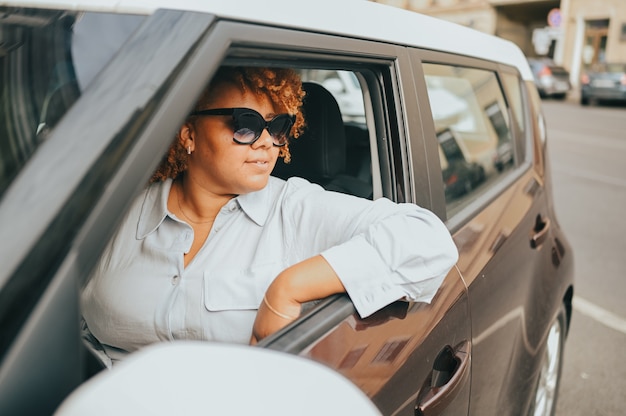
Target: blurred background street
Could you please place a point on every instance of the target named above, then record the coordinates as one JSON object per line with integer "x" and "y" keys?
{"x": 587, "y": 150}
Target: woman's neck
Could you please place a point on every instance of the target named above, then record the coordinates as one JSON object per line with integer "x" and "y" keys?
{"x": 197, "y": 204}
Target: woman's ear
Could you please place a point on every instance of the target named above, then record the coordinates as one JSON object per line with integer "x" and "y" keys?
{"x": 186, "y": 137}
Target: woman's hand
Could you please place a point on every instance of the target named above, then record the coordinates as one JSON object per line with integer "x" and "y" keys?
{"x": 308, "y": 280}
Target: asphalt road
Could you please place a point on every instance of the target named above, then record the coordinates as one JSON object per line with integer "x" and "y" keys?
{"x": 587, "y": 150}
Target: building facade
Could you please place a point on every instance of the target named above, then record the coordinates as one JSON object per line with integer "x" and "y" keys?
{"x": 575, "y": 33}
{"x": 594, "y": 32}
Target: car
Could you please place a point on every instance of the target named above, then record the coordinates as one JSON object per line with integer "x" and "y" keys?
{"x": 93, "y": 92}
{"x": 551, "y": 80}
{"x": 603, "y": 82}
{"x": 459, "y": 175}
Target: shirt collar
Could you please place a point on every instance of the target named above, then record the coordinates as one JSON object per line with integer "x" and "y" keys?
{"x": 154, "y": 208}
{"x": 256, "y": 205}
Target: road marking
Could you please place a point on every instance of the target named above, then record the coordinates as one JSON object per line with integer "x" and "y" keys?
{"x": 600, "y": 315}
{"x": 608, "y": 180}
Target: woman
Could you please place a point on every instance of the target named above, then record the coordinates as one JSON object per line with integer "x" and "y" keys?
{"x": 216, "y": 249}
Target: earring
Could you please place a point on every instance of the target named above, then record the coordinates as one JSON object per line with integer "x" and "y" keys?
{"x": 188, "y": 150}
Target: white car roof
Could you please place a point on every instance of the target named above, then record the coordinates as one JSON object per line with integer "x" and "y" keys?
{"x": 354, "y": 18}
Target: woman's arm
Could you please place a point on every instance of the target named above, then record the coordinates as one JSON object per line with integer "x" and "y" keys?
{"x": 376, "y": 251}
{"x": 308, "y": 280}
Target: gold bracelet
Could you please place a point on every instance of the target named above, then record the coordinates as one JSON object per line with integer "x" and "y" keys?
{"x": 282, "y": 315}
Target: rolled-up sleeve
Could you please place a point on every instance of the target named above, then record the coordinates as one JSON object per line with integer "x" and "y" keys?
{"x": 382, "y": 251}
{"x": 404, "y": 255}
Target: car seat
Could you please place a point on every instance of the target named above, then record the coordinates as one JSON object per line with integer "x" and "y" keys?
{"x": 320, "y": 153}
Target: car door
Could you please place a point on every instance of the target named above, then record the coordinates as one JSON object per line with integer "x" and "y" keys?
{"x": 510, "y": 252}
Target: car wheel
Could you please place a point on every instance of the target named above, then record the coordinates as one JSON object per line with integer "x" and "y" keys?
{"x": 547, "y": 388}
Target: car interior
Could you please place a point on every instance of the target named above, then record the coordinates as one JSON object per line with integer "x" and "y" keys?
{"x": 329, "y": 153}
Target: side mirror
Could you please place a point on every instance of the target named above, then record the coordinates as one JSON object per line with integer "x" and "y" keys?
{"x": 201, "y": 378}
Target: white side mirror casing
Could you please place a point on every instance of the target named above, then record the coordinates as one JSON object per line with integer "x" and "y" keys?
{"x": 200, "y": 378}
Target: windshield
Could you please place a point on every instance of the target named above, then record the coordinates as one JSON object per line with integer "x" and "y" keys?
{"x": 47, "y": 59}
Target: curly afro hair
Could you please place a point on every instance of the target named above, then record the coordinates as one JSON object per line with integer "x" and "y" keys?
{"x": 282, "y": 86}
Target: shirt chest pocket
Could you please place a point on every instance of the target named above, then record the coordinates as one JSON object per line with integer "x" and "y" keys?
{"x": 236, "y": 288}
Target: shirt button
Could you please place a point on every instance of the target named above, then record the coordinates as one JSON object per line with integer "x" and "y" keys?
{"x": 175, "y": 279}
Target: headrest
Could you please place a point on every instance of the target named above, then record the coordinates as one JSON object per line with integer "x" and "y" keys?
{"x": 320, "y": 152}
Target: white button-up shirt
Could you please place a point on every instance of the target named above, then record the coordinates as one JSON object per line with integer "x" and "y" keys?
{"x": 141, "y": 292}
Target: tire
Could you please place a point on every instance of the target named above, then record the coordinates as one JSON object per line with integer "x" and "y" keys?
{"x": 547, "y": 387}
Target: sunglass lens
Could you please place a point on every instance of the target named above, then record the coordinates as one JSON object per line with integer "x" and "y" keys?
{"x": 248, "y": 127}
{"x": 280, "y": 127}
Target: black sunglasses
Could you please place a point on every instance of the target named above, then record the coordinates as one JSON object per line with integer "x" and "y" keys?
{"x": 249, "y": 124}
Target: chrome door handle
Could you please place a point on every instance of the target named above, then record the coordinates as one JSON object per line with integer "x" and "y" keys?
{"x": 449, "y": 376}
{"x": 540, "y": 231}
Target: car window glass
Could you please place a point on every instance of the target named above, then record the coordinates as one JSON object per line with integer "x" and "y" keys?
{"x": 47, "y": 58}
{"x": 473, "y": 130}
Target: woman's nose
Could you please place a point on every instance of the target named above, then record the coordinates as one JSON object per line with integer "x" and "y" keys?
{"x": 265, "y": 140}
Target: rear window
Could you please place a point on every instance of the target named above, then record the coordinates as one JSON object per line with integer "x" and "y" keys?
{"x": 47, "y": 59}
{"x": 473, "y": 130}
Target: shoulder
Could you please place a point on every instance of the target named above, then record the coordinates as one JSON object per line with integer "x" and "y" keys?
{"x": 281, "y": 189}
{"x": 295, "y": 184}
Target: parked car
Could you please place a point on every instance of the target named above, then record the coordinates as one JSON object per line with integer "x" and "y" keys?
{"x": 603, "y": 82}
{"x": 93, "y": 91}
{"x": 459, "y": 175}
{"x": 551, "y": 80}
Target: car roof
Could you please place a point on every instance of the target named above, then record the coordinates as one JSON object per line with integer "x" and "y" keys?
{"x": 352, "y": 18}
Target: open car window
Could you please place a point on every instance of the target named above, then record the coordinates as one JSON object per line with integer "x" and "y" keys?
{"x": 336, "y": 150}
